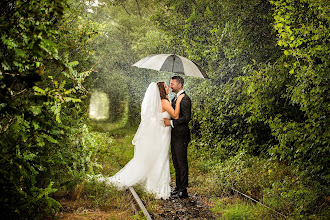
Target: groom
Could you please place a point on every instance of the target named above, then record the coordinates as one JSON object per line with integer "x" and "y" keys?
{"x": 180, "y": 137}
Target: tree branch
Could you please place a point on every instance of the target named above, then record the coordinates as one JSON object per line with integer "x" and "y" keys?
{"x": 138, "y": 6}
{"x": 125, "y": 8}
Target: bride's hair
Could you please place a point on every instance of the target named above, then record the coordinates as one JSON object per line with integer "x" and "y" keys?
{"x": 162, "y": 91}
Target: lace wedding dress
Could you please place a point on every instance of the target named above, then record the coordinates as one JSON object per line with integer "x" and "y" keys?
{"x": 150, "y": 164}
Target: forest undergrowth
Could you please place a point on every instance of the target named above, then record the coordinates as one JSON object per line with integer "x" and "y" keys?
{"x": 276, "y": 186}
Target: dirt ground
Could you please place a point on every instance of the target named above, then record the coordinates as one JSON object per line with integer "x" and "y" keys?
{"x": 194, "y": 207}
{"x": 73, "y": 210}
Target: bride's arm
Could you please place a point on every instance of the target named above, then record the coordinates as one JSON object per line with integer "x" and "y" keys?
{"x": 167, "y": 107}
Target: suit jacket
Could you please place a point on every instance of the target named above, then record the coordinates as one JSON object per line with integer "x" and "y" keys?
{"x": 180, "y": 130}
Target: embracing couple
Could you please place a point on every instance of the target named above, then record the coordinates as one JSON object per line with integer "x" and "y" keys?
{"x": 162, "y": 124}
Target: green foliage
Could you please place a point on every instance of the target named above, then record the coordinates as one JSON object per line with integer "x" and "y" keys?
{"x": 290, "y": 96}
{"x": 278, "y": 186}
{"x": 268, "y": 96}
{"x": 224, "y": 39}
{"x": 41, "y": 106}
{"x": 277, "y": 108}
{"x": 221, "y": 36}
{"x": 216, "y": 126}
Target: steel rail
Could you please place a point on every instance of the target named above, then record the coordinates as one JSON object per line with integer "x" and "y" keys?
{"x": 260, "y": 203}
{"x": 139, "y": 202}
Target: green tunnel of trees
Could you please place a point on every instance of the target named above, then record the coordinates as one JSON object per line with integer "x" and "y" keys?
{"x": 267, "y": 97}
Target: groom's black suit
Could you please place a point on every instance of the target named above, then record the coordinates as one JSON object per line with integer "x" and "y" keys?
{"x": 180, "y": 137}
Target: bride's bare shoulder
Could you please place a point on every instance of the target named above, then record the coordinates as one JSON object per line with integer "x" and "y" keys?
{"x": 165, "y": 101}
{"x": 165, "y": 104}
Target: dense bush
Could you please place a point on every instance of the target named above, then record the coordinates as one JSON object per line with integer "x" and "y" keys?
{"x": 42, "y": 146}
{"x": 291, "y": 95}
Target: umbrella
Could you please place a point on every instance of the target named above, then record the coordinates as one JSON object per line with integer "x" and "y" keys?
{"x": 171, "y": 63}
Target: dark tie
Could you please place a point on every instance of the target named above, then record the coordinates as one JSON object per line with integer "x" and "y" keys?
{"x": 173, "y": 102}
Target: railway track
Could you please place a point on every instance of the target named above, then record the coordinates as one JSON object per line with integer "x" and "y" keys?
{"x": 185, "y": 209}
{"x": 190, "y": 208}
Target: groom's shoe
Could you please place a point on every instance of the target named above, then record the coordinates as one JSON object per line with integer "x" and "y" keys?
{"x": 180, "y": 194}
{"x": 183, "y": 194}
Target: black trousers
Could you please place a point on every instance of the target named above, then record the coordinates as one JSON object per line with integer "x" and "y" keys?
{"x": 180, "y": 162}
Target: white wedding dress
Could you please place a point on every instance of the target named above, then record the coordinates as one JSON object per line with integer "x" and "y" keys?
{"x": 150, "y": 164}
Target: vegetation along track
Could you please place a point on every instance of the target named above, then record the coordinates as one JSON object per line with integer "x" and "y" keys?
{"x": 191, "y": 208}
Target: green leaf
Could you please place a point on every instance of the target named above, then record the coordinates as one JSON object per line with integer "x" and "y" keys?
{"x": 29, "y": 156}
{"x": 73, "y": 63}
{"x": 20, "y": 52}
{"x": 70, "y": 99}
{"x": 36, "y": 110}
{"x": 50, "y": 138}
{"x": 39, "y": 90}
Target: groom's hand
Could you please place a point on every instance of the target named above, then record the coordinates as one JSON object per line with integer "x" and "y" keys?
{"x": 167, "y": 122}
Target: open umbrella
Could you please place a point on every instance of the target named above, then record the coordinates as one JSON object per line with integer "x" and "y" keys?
{"x": 171, "y": 63}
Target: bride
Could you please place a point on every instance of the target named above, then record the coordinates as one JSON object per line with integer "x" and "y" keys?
{"x": 150, "y": 164}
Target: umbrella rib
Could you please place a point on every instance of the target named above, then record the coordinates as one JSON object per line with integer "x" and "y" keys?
{"x": 149, "y": 57}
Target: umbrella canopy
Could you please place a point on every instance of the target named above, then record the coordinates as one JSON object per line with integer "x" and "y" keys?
{"x": 171, "y": 63}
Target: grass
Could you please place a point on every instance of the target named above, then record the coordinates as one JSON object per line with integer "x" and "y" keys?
{"x": 279, "y": 186}
{"x": 233, "y": 208}
{"x": 114, "y": 128}
{"x": 112, "y": 149}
